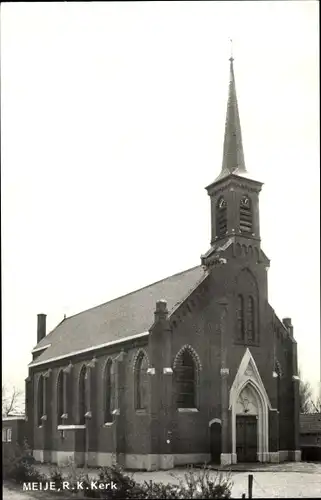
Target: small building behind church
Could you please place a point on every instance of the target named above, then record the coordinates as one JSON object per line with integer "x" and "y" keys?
{"x": 195, "y": 368}
{"x": 13, "y": 433}
{"x": 310, "y": 436}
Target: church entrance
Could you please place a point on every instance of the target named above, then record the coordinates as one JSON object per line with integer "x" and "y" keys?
{"x": 249, "y": 405}
{"x": 215, "y": 441}
{"x": 246, "y": 438}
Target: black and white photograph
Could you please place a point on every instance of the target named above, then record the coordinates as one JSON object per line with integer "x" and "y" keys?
{"x": 160, "y": 210}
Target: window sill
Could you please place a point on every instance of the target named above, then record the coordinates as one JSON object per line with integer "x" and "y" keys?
{"x": 187, "y": 410}
{"x": 141, "y": 412}
{"x": 70, "y": 427}
{"x": 108, "y": 424}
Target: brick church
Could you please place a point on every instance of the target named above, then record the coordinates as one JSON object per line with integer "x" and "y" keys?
{"x": 196, "y": 367}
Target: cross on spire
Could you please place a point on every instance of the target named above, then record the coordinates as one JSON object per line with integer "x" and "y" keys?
{"x": 231, "y": 57}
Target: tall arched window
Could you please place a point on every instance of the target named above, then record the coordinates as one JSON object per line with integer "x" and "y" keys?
{"x": 221, "y": 217}
{"x": 250, "y": 319}
{"x": 240, "y": 317}
{"x": 246, "y": 215}
{"x": 60, "y": 397}
{"x": 40, "y": 400}
{"x": 141, "y": 382}
{"x": 109, "y": 391}
{"x": 186, "y": 380}
{"x": 82, "y": 407}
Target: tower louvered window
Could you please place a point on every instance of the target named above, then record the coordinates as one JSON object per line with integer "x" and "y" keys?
{"x": 221, "y": 217}
{"x": 250, "y": 319}
{"x": 246, "y": 215}
{"x": 240, "y": 317}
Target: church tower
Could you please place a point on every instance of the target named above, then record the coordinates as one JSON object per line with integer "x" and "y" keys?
{"x": 234, "y": 195}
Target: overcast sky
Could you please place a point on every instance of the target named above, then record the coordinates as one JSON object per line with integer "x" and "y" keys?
{"x": 112, "y": 123}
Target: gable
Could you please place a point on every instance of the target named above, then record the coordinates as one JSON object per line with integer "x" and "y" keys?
{"x": 248, "y": 373}
{"x": 117, "y": 320}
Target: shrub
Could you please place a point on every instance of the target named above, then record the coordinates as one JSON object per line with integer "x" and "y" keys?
{"x": 202, "y": 484}
{"x": 19, "y": 466}
{"x": 163, "y": 491}
{"x": 69, "y": 472}
{"x": 126, "y": 485}
{"x": 56, "y": 476}
{"x": 196, "y": 484}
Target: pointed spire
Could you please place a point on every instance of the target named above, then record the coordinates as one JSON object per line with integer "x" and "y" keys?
{"x": 233, "y": 156}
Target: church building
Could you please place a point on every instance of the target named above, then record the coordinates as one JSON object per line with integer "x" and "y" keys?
{"x": 194, "y": 368}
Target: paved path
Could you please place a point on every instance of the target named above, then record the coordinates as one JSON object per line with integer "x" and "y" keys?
{"x": 16, "y": 493}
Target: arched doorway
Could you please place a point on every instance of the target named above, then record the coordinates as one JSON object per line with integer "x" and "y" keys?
{"x": 249, "y": 400}
{"x": 250, "y": 424}
{"x": 215, "y": 440}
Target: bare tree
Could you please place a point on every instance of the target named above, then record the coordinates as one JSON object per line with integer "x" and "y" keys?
{"x": 305, "y": 392}
{"x": 316, "y": 405}
{"x": 12, "y": 402}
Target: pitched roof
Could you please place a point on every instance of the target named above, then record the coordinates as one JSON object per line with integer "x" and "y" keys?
{"x": 310, "y": 423}
{"x": 118, "y": 319}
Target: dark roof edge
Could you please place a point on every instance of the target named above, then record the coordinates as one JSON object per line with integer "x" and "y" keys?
{"x": 88, "y": 349}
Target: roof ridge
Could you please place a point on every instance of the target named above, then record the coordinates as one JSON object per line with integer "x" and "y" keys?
{"x": 126, "y": 294}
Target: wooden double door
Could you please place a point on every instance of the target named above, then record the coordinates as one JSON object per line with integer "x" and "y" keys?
{"x": 246, "y": 438}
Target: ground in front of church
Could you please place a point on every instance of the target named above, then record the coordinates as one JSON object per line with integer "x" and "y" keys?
{"x": 287, "y": 480}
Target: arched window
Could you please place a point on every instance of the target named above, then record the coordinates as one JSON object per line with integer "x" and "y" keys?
{"x": 221, "y": 217}
{"x": 40, "y": 400}
{"x": 82, "y": 407}
{"x": 250, "y": 319}
{"x": 186, "y": 380}
{"x": 247, "y": 305}
{"x": 60, "y": 397}
{"x": 240, "y": 317}
{"x": 109, "y": 391}
{"x": 141, "y": 382}
{"x": 246, "y": 215}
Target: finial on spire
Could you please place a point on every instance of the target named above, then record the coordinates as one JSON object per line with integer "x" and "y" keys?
{"x": 231, "y": 42}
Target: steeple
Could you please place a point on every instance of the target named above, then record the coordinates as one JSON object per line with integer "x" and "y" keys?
{"x": 233, "y": 155}
{"x": 234, "y": 195}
